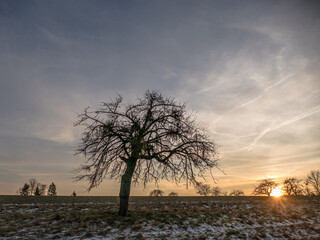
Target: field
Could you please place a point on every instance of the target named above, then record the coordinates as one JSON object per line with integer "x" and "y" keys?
{"x": 160, "y": 218}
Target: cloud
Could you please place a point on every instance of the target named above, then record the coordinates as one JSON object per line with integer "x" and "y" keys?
{"x": 249, "y": 70}
{"x": 59, "y": 41}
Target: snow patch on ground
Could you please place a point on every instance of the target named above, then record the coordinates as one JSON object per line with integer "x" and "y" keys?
{"x": 178, "y": 219}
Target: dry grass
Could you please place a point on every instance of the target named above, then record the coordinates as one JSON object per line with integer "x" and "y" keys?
{"x": 160, "y": 218}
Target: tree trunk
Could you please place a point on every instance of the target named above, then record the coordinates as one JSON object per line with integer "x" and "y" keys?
{"x": 125, "y": 187}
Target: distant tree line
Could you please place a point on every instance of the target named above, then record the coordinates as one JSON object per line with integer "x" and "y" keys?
{"x": 203, "y": 190}
{"x": 156, "y": 193}
{"x": 34, "y": 188}
{"x": 292, "y": 186}
{"x": 310, "y": 186}
{"x": 207, "y": 190}
{"x": 160, "y": 193}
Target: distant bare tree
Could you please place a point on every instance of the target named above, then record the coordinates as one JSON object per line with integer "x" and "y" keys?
{"x": 236, "y": 192}
{"x": 152, "y": 139}
{"x": 216, "y": 191}
{"x": 224, "y": 193}
{"x": 173, "y": 194}
{"x": 313, "y": 180}
{"x": 307, "y": 189}
{"x": 292, "y": 186}
{"x": 24, "y": 191}
{"x": 265, "y": 187}
{"x": 156, "y": 193}
{"x": 33, "y": 183}
{"x": 42, "y": 188}
{"x": 74, "y": 194}
{"x": 203, "y": 189}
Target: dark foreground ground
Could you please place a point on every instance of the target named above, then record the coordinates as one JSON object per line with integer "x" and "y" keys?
{"x": 160, "y": 218}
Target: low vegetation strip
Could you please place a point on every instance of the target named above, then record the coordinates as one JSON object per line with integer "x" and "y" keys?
{"x": 14, "y": 199}
{"x": 160, "y": 218}
{"x": 7, "y": 199}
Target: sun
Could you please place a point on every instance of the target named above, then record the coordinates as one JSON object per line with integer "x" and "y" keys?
{"x": 276, "y": 192}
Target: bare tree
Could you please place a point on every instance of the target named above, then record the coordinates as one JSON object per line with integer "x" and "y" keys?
{"x": 313, "y": 180}
{"x": 265, "y": 187}
{"x": 236, "y": 192}
{"x": 224, "y": 193}
{"x": 156, "y": 193}
{"x": 203, "y": 189}
{"x": 173, "y": 194}
{"x": 293, "y": 186}
{"x": 216, "y": 191}
{"x": 151, "y": 140}
{"x": 33, "y": 183}
{"x": 307, "y": 189}
{"x": 42, "y": 188}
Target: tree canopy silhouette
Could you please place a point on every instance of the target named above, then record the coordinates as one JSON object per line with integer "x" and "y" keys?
{"x": 216, "y": 191}
{"x": 37, "y": 191}
{"x": 156, "y": 193}
{"x": 236, "y": 192}
{"x": 292, "y": 186}
{"x": 173, "y": 194}
{"x": 52, "y": 191}
{"x": 25, "y": 190}
{"x": 150, "y": 140}
{"x": 265, "y": 187}
{"x": 203, "y": 189}
{"x": 33, "y": 183}
{"x": 313, "y": 180}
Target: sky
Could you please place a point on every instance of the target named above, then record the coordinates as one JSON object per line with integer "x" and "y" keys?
{"x": 249, "y": 69}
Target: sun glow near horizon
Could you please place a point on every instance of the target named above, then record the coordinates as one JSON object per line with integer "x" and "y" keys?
{"x": 276, "y": 192}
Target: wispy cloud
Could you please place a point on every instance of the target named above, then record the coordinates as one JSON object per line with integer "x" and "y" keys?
{"x": 252, "y": 78}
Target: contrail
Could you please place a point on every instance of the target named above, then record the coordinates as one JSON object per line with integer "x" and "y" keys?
{"x": 284, "y": 123}
{"x": 251, "y": 101}
{"x": 301, "y": 116}
{"x": 267, "y": 89}
{"x": 264, "y": 132}
{"x": 233, "y": 135}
